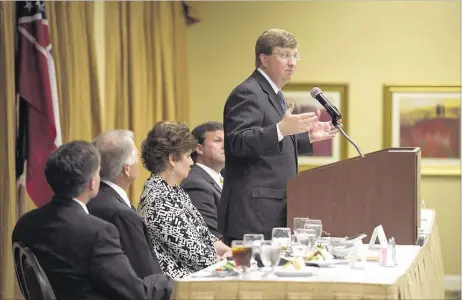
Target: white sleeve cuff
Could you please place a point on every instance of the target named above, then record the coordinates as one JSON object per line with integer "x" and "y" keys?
{"x": 280, "y": 137}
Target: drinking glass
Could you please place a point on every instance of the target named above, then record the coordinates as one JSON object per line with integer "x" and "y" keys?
{"x": 242, "y": 254}
{"x": 270, "y": 254}
{"x": 314, "y": 224}
{"x": 282, "y": 235}
{"x": 306, "y": 238}
{"x": 299, "y": 223}
{"x": 255, "y": 239}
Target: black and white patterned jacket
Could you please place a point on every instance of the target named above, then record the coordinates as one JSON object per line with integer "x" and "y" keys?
{"x": 178, "y": 233}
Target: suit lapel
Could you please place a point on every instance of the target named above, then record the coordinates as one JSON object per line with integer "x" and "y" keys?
{"x": 266, "y": 86}
{"x": 106, "y": 188}
{"x": 216, "y": 186}
{"x": 207, "y": 177}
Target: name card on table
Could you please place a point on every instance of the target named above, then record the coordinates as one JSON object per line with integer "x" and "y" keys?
{"x": 378, "y": 233}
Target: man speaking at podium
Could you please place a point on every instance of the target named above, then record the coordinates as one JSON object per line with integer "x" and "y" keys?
{"x": 262, "y": 141}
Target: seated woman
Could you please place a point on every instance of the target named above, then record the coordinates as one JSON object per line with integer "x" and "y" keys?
{"x": 179, "y": 235}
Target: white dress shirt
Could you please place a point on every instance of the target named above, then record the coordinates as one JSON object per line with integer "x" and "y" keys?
{"x": 81, "y": 204}
{"x": 276, "y": 91}
{"x": 214, "y": 174}
{"x": 119, "y": 191}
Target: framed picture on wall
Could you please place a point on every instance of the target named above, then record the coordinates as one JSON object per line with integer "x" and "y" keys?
{"x": 328, "y": 151}
{"x": 427, "y": 117}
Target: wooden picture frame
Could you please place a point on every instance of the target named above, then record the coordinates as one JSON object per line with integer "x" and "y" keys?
{"x": 427, "y": 117}
{"x": 324, "y": 152}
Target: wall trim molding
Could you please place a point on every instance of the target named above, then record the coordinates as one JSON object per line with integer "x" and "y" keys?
{"x": 452, "y": 282}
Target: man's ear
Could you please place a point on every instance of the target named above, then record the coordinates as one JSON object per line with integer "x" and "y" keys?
{"x": 263, "y": 60}
{"x": 126, "y": 170}
{"x": 200, "y": 149}
{"x": 93, "y": 185}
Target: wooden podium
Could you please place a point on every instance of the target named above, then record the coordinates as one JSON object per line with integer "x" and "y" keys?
{"x": 356, "y": 195}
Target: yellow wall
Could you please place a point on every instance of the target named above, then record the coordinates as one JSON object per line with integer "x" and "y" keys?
{"x": 363, "y": 44}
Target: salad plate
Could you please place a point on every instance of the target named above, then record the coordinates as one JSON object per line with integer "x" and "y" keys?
{"x": 227, "y": 269}
{"x": 292, "y": 272}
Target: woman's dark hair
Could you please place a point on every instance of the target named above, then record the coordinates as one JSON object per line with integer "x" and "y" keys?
{"x": 163, "y": 139}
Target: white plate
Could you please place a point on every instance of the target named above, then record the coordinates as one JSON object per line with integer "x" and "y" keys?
{"x": 280, "y": 272}
{"x": 202, "y": 274}
{"x": 322, "y": 263}
{"x": 207, "y": 273}
{"x": 341, "y": 261}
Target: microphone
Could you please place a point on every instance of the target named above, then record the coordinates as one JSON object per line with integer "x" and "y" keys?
{"x": 330, "y": 109}
{"x": 334, "y": 114}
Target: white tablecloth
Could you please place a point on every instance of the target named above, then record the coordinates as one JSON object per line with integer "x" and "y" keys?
{"x": 418, "y": 275}
{"x": 373, "y": 273}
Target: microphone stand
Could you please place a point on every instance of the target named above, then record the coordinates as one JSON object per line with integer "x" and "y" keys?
{"x": 339, "y": 128}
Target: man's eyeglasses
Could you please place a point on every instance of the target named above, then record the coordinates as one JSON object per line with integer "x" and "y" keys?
{"x": 287, "y": 56}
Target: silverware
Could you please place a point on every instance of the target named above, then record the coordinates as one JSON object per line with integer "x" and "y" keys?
{"x": 349, "y": 238}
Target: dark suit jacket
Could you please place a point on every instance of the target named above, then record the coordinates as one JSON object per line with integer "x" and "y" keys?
{"x": 205, "y": 194}
{"x": 81, "y": 255}
{"x": 134, "y": 237}
{"x": 257, "y": 165}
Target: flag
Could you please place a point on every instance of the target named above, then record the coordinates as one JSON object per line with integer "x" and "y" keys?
{"x": 38, "y": 114}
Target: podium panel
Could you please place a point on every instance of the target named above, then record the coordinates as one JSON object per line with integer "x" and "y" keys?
{"x": 356, "y": 195}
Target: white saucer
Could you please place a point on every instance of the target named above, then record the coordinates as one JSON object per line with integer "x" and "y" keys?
{"x": 280, "y": 272}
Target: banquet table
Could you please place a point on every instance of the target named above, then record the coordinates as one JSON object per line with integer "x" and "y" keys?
{"x": 418, "y": 275}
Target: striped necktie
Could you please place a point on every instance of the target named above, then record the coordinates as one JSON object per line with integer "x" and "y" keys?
{"x": 282, "y": 101}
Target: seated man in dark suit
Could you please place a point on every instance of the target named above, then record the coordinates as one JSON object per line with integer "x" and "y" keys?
{"x": 119, "y": 167}
{"x": 80, "y": 253}
{"x": 204, "y": 182}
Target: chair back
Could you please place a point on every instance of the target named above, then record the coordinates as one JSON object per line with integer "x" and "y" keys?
{"x": 32, "y": 280}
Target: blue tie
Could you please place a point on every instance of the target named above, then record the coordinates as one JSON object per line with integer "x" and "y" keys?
{"x": 282, "y": 101}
